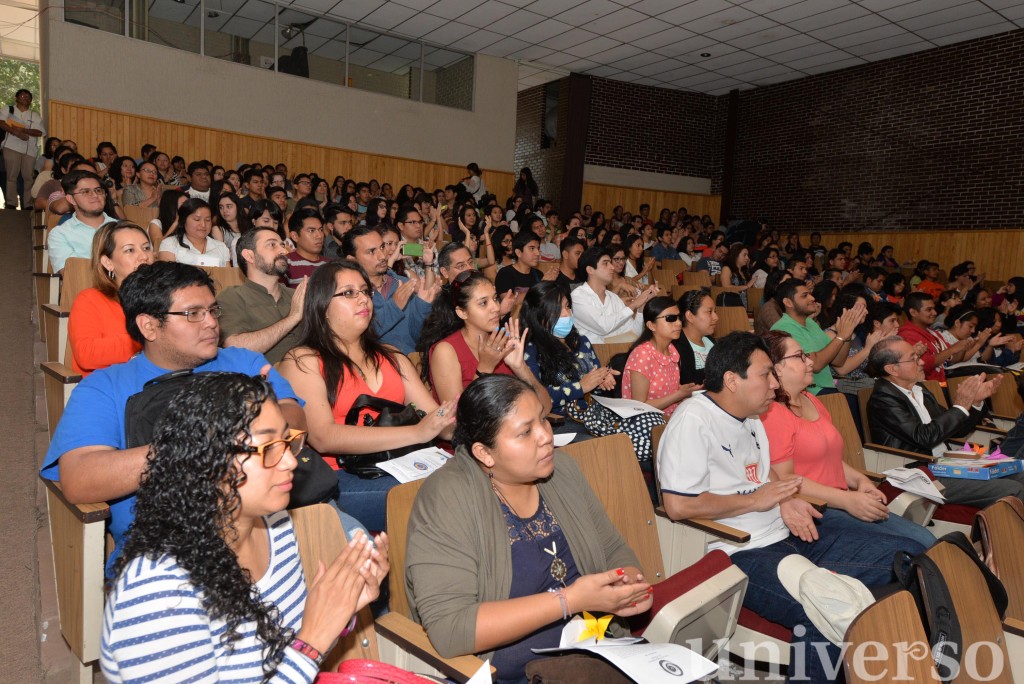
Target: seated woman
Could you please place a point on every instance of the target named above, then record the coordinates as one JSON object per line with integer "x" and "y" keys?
{"x": 563, "y": 360}
{"x": 652, "y": 370}
{"x": 191, "y": 242}
{"x": 166, "y": 221}
{"x": 210, "y": 585}
{"x": 96, "y": 326}
{"x": 507, "y": 540}
{"x": 637, "y": 268}
{"x": 735, "y": 272}
{"x": 621, "y": 285}
{"x": 145, "y": 193}
{"x": 803, "y": 442}
{"x": 766, "y": 265}
{"x": 229, "y": 222}
{"x": 699, "y": 322}
{"x": 462, "y": 339}
{"x": 340, "y": 359}
{"x": 990, "y": 346}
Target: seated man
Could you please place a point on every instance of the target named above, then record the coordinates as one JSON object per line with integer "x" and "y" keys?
{"x": 262, "y": 315}
{"x": 713, "y": 264}
{"x": 306, "y": 229}
{"x": 73, "y": 238}
{"x": 199, "y": 181}
{"x": 569, "y": 274}
{"x": 797, "y": 303}
{"x": 935, "y": 350}
{"x": 600, "y": 313}
{"x": 903, "y": 414}
{"x": 664, "y": 248}
{"x": 453, "y": 259}
{"x": 338, "y": 220}
{"x": 714, "y": 462}
{"x": 523, "y": 274}
{"x": 400, "y": 305}
{"x": 170, "y": 309}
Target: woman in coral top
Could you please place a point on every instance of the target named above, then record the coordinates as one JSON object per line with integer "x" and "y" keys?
{"x": 96, "y": 326}
{"x": 339, "y": 359}
{"x": 804, "y": 442}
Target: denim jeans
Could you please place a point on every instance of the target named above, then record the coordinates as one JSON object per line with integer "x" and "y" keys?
{"x": 350, "y": 524}
{"x": 365, "y": 500}
{"x": 849, "y": 551}
{"x": 894, "y": 525}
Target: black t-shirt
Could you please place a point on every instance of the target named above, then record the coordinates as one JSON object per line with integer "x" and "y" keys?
{"x": 509, "y": 278}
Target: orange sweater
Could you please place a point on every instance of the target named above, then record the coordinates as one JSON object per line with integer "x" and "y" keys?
{"x": 97, "y": 334}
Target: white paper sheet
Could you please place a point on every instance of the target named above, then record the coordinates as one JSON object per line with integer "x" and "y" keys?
{"x": 483, "y": 675}
{"x": 563, "y": 439}
{"x": 416, "y": 465}
{"x": 626, "y": 407}
{"x": 914, "y": 481}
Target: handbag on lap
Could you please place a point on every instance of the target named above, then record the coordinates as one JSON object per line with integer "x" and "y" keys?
{"x": 389, "y": 414}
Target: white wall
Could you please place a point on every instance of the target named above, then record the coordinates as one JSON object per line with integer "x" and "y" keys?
{"x": 93, "y": 68}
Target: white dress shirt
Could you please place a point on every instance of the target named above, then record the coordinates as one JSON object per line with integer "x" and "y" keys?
{"x": 597, "y": 320}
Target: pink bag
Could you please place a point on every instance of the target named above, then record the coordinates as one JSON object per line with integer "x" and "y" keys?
{"x": 370, "y": 672}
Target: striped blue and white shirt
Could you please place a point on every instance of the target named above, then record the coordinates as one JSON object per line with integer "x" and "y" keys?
{"x": 155, "y": 628}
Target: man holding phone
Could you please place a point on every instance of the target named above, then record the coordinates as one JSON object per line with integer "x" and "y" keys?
{"x": 418, "y": 257}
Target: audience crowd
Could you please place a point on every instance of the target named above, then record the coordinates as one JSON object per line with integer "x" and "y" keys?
{"x": 371, "y": 322}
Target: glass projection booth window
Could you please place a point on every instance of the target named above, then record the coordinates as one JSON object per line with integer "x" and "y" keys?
{"x": 105, "y": 16}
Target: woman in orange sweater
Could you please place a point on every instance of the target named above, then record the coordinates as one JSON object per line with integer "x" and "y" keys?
{"x": 96, "y": 326}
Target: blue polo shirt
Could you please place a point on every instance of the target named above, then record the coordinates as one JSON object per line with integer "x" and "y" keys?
{"x": 94, "y": 416}
{"x": 72, "y": 238}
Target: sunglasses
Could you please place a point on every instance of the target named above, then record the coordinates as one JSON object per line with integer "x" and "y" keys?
{"x": 670, "y": 318}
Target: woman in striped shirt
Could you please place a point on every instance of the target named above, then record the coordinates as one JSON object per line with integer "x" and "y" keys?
{"x": 210, "y": 585}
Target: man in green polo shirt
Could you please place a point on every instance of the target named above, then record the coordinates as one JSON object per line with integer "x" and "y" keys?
{"x": 796, "y": 300}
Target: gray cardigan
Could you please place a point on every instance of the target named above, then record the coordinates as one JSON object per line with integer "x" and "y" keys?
{"x": 458, "y": 553}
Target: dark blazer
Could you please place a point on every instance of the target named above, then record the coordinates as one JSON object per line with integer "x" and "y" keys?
{"x": 687, "y": 363}
{"x": 895, "y": 423}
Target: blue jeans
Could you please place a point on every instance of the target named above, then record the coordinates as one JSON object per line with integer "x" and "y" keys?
{"x": 348, "y": 523}
{"x": 894, "y": 526}
{"x": 365, "y": 500}
{"x": 849, "y": 551}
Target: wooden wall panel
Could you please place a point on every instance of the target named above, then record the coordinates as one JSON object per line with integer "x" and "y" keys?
{"x": 998, "y": 253}
{"x": 87, "y": 126}
{"x": 605, "y": 197}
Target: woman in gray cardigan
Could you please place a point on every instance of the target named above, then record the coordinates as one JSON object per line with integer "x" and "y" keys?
{"x": 507, "y": 540}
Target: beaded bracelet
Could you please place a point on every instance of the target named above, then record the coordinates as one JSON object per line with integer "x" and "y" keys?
{"x": 308, "y": 651}
{"x": 562, "y": 601}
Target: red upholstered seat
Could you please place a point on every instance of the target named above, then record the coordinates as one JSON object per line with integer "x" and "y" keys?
{"x": 678, "y": 584}
{"x": 948, "y": 512}
{"x": 756, "y": 623}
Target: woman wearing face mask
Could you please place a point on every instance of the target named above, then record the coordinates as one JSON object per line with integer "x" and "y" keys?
{"x": 563, "y": 360}
{"x": 463, "y": 339}
{"x": 651, "y": 374}
{"x": 96, "y": 326}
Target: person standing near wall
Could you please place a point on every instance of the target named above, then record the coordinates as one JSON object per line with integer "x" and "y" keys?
{"x": 20, "y": 148}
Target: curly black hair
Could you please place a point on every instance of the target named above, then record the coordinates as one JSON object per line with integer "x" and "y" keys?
{"x": 188, "y": 498}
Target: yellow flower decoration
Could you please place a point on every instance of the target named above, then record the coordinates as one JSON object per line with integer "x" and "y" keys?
{"x": 594, "y": 626}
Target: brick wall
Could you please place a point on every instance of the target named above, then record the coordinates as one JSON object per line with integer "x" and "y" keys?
{"x": 454, "y": 85}
{"x": 653, "y": 129}
{"x": 934, "y": 139}
{"x": 546, "y": 164}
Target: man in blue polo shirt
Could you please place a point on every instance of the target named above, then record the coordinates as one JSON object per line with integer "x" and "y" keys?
{"x": 85, "y": 193}
{"x": 170, "y": 308}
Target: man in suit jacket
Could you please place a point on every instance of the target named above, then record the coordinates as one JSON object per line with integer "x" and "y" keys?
{"x": 903, "y": 414}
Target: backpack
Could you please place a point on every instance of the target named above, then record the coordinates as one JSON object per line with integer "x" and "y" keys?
{"x": 921, "y": 577}
{"x": 314, "y": 480}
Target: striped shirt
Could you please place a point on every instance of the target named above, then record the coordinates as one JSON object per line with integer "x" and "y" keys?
{"x": 155, "y": 628}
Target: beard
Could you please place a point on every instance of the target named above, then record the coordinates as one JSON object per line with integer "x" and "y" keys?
{"x": 278, "y": 266}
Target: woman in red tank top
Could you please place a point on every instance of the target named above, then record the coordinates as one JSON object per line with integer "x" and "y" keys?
{"x": 462, "y": 339}
{"x": 340, "y": 358}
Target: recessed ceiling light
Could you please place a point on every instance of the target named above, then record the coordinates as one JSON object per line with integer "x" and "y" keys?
{"x": 705, "y": 54}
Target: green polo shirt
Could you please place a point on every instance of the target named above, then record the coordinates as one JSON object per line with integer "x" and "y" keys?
{"x": 249, "y": 307}
{"x": 811, "y": 338}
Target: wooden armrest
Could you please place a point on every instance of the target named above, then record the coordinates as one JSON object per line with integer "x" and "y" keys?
{"x": 47, "y": 275}
{"x": 873, "y": 476}
{"x": 819, "y": 504}
{"x": 60, "y": 372}
{"x": 412, "y": 638}
{"x": 87, "y": 513}
{"x": 922, "y": 458}
{"x": 1014, "y": 626}
{"x": 56, "y": 310}
{"x": 709, "y": 526}
{"x": 555, "y": 419}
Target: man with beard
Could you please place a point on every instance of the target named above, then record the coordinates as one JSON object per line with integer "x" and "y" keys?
{"x": 262, "y": 315}
{"x": 73, "y": 238}
{"x": 400, "y": 305}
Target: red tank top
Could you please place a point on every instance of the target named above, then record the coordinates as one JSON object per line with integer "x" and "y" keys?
{"x": 467, "y": 361}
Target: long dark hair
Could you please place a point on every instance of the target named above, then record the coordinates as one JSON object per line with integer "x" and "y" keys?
{"x": 240, "y": 218}
{"x": 627, "y": 244}
{"x": 484, "y": 406}
{"x": 188, "y": 497}
{"x": 443, "y": 320}
{"x": 168, "y": 211}
{"x": 541, "y": 309}
{"x": 256, "y": 210}
{"x": 652, "y": 310}
{"x": 188, "y": 207}
{"x": 317, "y": 333}
{"x": 115, "y": 172}
{"x": 372, "y": 220}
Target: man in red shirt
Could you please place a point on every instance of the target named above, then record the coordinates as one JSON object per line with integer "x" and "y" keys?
{"x": 935, "y": 351}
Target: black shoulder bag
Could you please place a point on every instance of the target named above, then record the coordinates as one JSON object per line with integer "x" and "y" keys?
{"x": 389, "y": 414}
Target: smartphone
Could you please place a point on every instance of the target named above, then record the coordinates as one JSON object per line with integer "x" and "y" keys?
{"x": 412, "y": 249}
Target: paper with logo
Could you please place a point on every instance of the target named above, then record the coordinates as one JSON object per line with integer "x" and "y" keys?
{"x": 626, "y": 408}
{"x": 914, "y": 481}
{"x": 415, "y": 465}
{"x": 643, "y": 663}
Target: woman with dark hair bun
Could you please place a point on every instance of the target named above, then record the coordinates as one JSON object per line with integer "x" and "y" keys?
{"x": 508, "y": 540}
{"x": 651, "y": 374}
{"x": 210, "y": 585}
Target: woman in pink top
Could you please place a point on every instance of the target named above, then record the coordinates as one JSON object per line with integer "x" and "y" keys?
{"x": 463, "y": 339}
{"x": 652, "y": 370}
{"x": 804, "y": 442}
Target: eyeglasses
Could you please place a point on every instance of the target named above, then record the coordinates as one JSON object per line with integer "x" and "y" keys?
{"x": 272, "y": 452}
{"x": 411, "y": 223}
{"x": 98, "y": 191}
{"x": 621, "y": 258}
{"x": 354, "y": 294}
{"x": 670, "y": 318}
{"x": 913, "y": 359}
{"x": 197, "y": 315}
{"x": 803, "y": 356}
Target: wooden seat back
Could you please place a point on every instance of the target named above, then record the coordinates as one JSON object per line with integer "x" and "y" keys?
{"x": 1006, "y": 401}
{"x": 399, "y": 507}
{"x": 842, "y": 420}
{"x": 679, "y": 290}
{"x": 224, "y": 276}
{"x": 141, "y": 216}
{"x": 863, "y": 395}
{"x": 936, "y": 389}
{"x": 1001, "y": 529}
{"x": 755, "y": 295}
{"x": 321, "y": 538}
{"x": 701, "y": 278}
{"x": 731, "y": 319}
{"x": 606, "y": 351}
{"x": 889, "y": 621}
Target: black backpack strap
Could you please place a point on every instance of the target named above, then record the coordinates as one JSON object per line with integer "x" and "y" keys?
{"x": 943, "y": 625}
{"x": 995, "y": 585}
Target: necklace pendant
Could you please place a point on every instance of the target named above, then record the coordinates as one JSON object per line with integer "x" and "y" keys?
{"x": 559, "y": 570}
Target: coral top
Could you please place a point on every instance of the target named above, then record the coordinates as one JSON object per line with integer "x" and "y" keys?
{"x": 815, "y": 447}
{"x": 467, "y": 361}
{"x": 97, "y": 334}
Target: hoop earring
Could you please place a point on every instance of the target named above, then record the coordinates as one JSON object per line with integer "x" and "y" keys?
{"x": 110, "y": 274}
